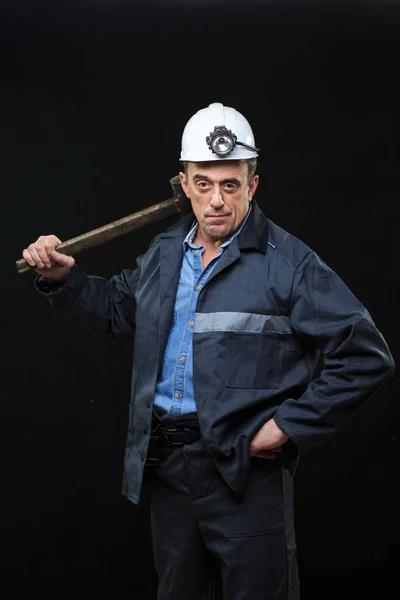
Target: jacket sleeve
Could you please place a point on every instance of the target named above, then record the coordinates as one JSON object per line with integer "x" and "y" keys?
{"x": 355, "y": 358}
{"x": 104, "y": 306}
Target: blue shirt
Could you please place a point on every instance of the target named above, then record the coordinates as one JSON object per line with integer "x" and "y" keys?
{"x": 174, "y": 394}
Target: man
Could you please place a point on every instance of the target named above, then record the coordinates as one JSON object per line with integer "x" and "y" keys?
{"x": 248, "y": 350}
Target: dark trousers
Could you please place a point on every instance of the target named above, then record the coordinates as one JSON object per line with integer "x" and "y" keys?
{"x": 209, "y": 543}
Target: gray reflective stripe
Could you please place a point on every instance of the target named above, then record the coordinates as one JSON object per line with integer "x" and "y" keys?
{"x": 241, "y": 322}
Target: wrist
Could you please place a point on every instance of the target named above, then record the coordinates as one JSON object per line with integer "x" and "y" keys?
{"x": 282, "y": 433}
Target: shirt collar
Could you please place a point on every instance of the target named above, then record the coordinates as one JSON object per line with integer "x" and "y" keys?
{"x": 188, "y": 241}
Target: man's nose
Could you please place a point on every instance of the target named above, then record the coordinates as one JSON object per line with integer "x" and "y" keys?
{"x": 216, "y": 199}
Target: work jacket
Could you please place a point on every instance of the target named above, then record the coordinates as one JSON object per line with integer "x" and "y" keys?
{"x": 277, "y": 333}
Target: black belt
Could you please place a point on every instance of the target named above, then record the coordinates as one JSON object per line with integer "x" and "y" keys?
{"x": 176, "y": 433}
{"x": 173, "y": 434}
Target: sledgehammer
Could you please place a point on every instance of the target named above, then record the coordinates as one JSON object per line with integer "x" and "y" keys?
{"x": 178, "y": 204}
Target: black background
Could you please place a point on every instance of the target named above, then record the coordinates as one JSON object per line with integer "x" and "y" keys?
{"x": 94, "y": 98}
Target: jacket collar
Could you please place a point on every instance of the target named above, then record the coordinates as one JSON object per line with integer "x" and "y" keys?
{"x": 254, "y": 234}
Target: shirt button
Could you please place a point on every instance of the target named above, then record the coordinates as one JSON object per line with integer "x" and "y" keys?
{"x": 177, "y": 395}
{"x": 181, "y": 358}
{"x": 198, "y": 287}
{"x": 191, "y": 322}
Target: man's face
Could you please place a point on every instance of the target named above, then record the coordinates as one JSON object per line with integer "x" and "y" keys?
{"x": 220, "y": 194}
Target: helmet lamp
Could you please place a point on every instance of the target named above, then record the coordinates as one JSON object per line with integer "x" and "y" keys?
{"x": 222, "y": 141}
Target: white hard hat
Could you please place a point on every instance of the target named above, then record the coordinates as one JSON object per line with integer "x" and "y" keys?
{"x": 217, "y": 132}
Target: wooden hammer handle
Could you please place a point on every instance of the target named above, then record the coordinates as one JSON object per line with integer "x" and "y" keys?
{"x": 156, "y": 212}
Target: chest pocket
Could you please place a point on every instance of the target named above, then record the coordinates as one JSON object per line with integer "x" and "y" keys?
{"x": 255, "y": 346}
{"x": 254, "y": 360}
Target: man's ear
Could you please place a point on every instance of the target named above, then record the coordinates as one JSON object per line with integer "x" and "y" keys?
{"x": 184, "y": 183}
{"x": 253, "y": 186}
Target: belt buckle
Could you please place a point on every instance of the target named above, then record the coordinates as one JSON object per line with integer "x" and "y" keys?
{"x": 169, "y": 442}
{"x": 168, "y": 430}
